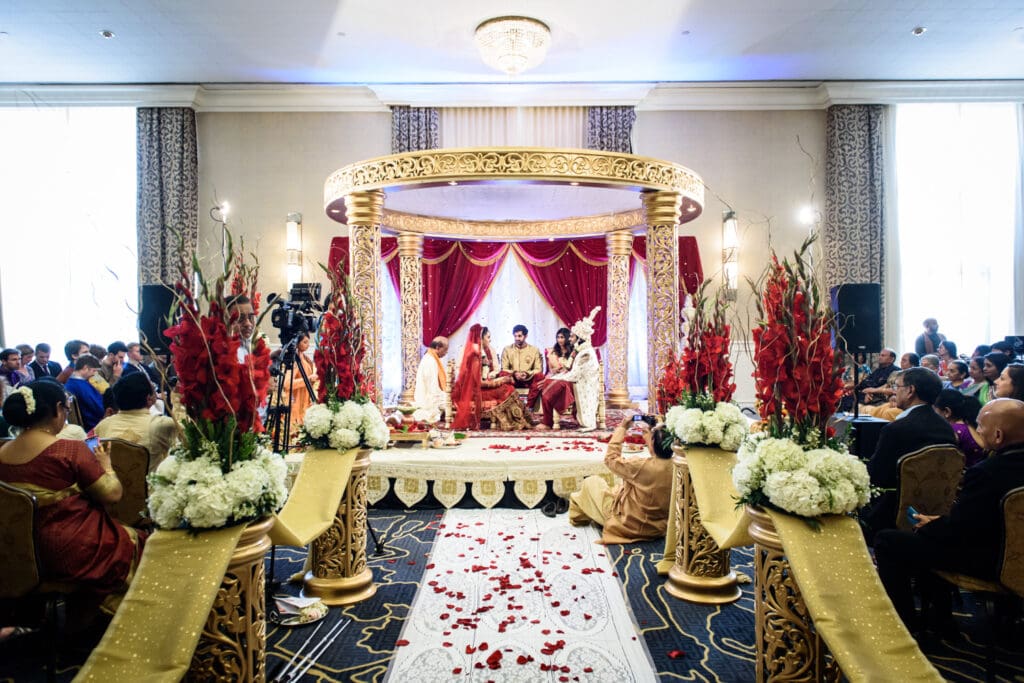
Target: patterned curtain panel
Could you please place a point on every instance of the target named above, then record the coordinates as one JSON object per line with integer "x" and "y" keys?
{"x": 168, "y": 191}
{"x": 609, "y": 129}
{"x": 854, "y": 232}
{"x": 414, "y": 129}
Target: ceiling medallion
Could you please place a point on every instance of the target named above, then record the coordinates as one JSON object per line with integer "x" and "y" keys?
{"x": 512, "y": 44}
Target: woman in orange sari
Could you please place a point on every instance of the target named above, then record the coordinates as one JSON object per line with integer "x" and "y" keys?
{"x": 300, "y": 400}
{"x": 77, "y": 540}
{"x": 480, "y": 388}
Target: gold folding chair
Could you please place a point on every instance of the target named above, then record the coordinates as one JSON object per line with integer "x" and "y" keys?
{"x": 929, "y": 479}
{"x": 131, "y": 464}
{"x": 74, "y": 411}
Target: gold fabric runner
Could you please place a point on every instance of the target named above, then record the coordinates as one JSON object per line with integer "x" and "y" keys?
{"x": 154, "y": 632}
{"x": 711, "y": 473}
{"x": 314, "y": 498}
{"x": 846, "y": 599}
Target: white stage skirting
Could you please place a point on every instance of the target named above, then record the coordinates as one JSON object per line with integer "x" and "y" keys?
{"x": 486, "y": 464}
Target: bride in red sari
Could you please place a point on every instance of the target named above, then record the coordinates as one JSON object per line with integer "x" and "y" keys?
{"x": 480, "y": 390}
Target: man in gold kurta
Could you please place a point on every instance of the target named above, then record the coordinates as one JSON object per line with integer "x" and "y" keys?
{"x": 134, "y": 422}
{"x": 638, "y": 508}
{"x": 521, "y": 360}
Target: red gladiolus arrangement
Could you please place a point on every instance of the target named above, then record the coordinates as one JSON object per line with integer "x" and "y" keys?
{"x": 798, "y": 375}
{"x": 340, "y": 351}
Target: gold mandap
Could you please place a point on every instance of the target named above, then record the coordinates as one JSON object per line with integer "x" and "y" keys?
{"x": 517, "y": 194}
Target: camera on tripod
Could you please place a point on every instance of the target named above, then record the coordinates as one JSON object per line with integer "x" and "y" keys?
{"x": 298, "y": 313}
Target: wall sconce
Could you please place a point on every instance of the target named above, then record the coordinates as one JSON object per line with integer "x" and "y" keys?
{"x": 293, "y": 248}
{"x": 730, "y": 254}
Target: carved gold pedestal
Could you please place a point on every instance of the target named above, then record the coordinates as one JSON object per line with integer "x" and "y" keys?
{"x": 233, "y": 644}
{"x": 701, "y": 573}
{"x": 338, "y": 556}
{"x": 788, "y": 647}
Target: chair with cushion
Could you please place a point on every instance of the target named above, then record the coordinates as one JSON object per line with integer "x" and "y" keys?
{"x": 74, "y": 411}
{"x": 1010, "y": 585}
{"x": 22, "y": 584}
{"x": 131, "y": 463}
{"x": 929, "y": 480}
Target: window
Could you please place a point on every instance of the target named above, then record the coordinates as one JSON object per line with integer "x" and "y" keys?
{"x": 67, "y": 211}
{"x": 956, "y": 180}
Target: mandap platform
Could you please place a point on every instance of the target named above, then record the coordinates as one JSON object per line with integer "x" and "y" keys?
{"x": 487, "y": 464}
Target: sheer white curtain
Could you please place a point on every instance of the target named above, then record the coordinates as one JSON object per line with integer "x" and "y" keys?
{"x": 67, "y": 211}
{"x": 957, "y": 169}
{"x": 501, "y": 126}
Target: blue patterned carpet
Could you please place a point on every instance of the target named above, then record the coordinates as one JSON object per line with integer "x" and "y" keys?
{"x": 687, "y": 642}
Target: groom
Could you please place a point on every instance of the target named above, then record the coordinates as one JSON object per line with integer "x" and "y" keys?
{"x": 521, "y": 360}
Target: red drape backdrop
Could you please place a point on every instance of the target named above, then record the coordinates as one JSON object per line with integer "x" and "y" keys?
{"x": 570, "y": 275}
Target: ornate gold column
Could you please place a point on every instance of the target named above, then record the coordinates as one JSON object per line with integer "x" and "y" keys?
{"x": 338, "y": 556}
{"x": 620, "y": 244}
{"x": 788, "y": 646}
{"x": 410, "y": 254}
{"x": 701, "y": 573}
{"x": 233, "y": 644}
{"x": 364, "y": 211}
{"x": 662, "y": 212}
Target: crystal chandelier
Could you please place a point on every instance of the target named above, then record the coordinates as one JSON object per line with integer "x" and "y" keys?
{"x": 512, "y": 44}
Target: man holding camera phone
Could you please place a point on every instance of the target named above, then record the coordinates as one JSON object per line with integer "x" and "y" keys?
{"x": 638, "y": 508}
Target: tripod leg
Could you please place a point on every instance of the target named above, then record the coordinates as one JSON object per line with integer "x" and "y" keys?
{"x": 378, "y": 544}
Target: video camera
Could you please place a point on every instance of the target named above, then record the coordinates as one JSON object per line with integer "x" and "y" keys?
{"x": 299, "y": 313}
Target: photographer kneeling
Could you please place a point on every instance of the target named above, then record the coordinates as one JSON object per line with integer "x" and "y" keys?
{"x": 638, "y": 508}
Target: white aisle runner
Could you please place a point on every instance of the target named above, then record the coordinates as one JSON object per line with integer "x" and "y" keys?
{"x": 512, "y": 595}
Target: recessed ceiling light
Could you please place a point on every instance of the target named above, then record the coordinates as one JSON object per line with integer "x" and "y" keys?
{"x": 335, "y": 210}
{"x": 918, "y": 30}
{"x": 452, "y": 183}
{"x": 691, "y": 208}
{"x": 107, "y": 34}
{"x": 574, "y": 183}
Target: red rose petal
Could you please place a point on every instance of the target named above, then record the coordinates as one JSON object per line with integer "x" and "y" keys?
{"x": 676, "y": 654}
{"x": 401, "y": 643}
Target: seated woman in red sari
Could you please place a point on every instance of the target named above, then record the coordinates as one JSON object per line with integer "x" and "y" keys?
{"x": 558, "y": 359}
{"x": 479, "y": 388}
{"x": 78, "y": 542}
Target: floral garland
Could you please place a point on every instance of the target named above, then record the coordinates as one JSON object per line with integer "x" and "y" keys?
{"x": 795, "y": 464}
{"x": 221, "y": 473}
{"x": 345, "y": 416}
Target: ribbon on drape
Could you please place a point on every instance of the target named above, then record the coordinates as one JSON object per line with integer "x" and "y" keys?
{"x": 570, "y": 275}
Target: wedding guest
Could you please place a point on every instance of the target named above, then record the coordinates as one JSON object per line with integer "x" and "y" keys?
{"x": 112, "y": 365}
{"x": 946, "y": 353}
{"x": 97, "y": 350}
{"x": 1010, "y": 383}
{"x": 931, "y": 362}
{"x": 133, "y": 396}
{"x": 910, "y": 360}
{"x": 42, "y": 366}
{"x": 521, "y": 360}
{"x": 980, "y": 350}
{"x": 581, "y": 384}
{"x": 638, "y": 508}
{"x": 916, "y": 427}
{"x": 10, "y": 365}
{"x": 969, "y": 539}
{"x": 293, "y": 382}
{"x": 90, "y": 401}
{"x": 28, "y": 354}
{"x": 475, "y": 393}
{"x": 133, "y": 359}
{"x": 929, "y": 340}
{"x": 72, "y": 350}
{"x": 961, "y": 412}
{"x": 241, "y": 322}
{"x": 77, "y": 540}
{"x": 957, "y": 376}
{"x": 1005, "y": 348}
{"x": 558, "y": 359}
{"x": 977, "y": 377}
{"x": 873, "y": 389}
{"x": 431, "y": 382}
{"x": 992, "y": 366}
{"x": 889, "y": 410}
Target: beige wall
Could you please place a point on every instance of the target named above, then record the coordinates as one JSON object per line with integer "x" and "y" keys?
{"x": 270, "y": 164}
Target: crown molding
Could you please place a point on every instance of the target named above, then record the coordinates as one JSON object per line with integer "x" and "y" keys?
{"x": 98, "y": 95}
{"x": 287, "y": 98}
{"x": 896, "y": 92}
{"x": 734, "y": 96}
{"x": 512, "y": 94}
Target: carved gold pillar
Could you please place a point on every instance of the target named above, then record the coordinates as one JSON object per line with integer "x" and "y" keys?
{"x": 620, "y": 244}
{"x": 788, "y": 648}
{"x": 233, "y": 644}
{"x": 410, "y": 254}
{"x": 338, "y": 556}
{"x": 701, "y": 573}
{"x": 662, "y": 213}
{"x": 364, "y": 211}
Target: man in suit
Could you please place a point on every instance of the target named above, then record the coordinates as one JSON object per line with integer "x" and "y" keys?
{"x": 969, "y": 539}
{"x": 916, "y": 427}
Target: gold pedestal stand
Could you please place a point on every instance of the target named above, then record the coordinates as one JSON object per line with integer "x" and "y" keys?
{"x": 788, "y": 646}
{"x": 701, "y": 573}
{"x": 233, "y": 644}
{"x": 338, "y": 556}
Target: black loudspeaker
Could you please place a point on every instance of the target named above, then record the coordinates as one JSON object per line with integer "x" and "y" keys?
{"x": 156, "y": 302}
{"x": 859, "y": 311}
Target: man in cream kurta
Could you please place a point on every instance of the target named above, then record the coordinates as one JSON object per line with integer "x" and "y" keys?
{"x": 133, "y": 422}
{"x": 431, "y": 382}
{"x": 521, "y": 360}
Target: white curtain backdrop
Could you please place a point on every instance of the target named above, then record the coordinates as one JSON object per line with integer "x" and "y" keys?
{"x": 513, "y": 126}
{"x": 67, "y": 211}
{"x": 957, "y": 171}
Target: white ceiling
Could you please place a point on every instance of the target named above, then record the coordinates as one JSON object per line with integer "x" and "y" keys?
{"x": 424, "y": 41}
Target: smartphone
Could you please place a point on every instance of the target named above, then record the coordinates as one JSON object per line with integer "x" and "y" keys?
{"x": 910, "y": 515}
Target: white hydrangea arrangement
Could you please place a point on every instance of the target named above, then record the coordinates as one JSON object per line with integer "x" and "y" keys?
{"x": 807, "y": 482}
{"x": 724, "y": 426}
{"x": 193, "y": 492}
{"x": 343, "y": 425}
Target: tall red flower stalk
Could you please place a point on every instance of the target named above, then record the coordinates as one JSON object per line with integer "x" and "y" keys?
{"x": 340, "y": 348}
{"x": 221, "y": 393}
{"x": 798, "y": 375}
